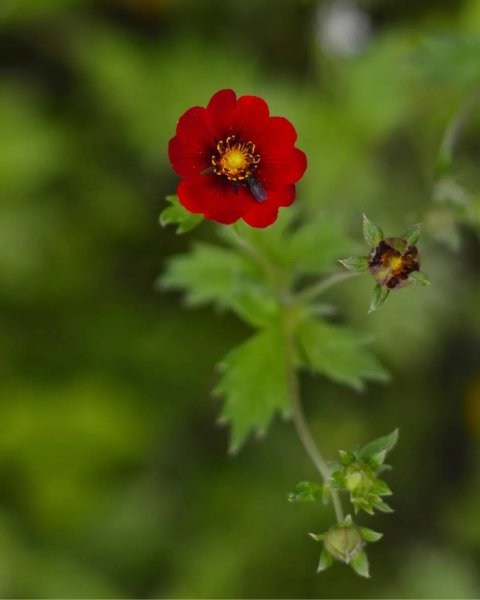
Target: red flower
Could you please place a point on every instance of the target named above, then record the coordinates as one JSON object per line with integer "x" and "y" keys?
{"x": 235, "y": 160}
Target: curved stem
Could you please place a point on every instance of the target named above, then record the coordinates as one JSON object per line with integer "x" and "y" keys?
{"x": 457, "y": 125}
{"x": 321, "y": 286}
{"x": 301, "y": 424}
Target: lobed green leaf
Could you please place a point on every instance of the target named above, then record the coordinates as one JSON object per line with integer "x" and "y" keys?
{"x": 339, "y": 354}
{"x": 254, "y": 384}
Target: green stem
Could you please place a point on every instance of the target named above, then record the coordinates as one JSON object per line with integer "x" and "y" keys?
{"x": 457, "y": 125}
{"x": 252, "y": 251}
{"x": 300, "y": 422}
{"x": 311, "y": 292}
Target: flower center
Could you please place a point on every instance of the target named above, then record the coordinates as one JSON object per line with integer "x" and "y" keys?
{"x": 235, "y": 160}
{"x": 396, "y": 263}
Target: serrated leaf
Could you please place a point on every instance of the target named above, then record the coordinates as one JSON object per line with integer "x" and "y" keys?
{"x": 306, "y": 491}
{"x": 177, "y": 214}
{"x": 369, "y": 535}
{"x": 217, "y": 275}
{"x": 339, "y": 354}
{"x": 379, "y": 295}
{"x": 326, "y": 560}
{"x": 372, "y": 233}
{"x": 384, "y": 443}
{"x": 357, "y": 264}
{"x": 359, "y": 564}
{"x": 254, "y": 384}
{"x": 419, "y": 278}
{"x": 411, "y": 234}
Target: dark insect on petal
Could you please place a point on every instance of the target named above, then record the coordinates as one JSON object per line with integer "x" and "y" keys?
{"x": 257, "y": 189}
{"x": 208, "y": 171}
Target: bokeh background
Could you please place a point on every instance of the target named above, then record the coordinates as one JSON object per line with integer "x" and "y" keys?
{"x": 114, "y": 478}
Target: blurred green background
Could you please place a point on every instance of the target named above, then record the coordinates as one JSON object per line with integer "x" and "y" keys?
{"x": 114, "y": 477}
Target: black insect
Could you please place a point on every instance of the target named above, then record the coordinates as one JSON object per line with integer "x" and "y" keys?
{"x": 257, "y": 189}
{"x": 208, "y": 171}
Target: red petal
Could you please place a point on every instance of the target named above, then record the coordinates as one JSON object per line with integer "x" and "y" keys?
{"x": 278, "y": 132}
{"x": 246, "y": 118}
{"x": 251, "y": 117}
{"x": 190, "y": 151}
{"x": 215, "y": 199}
{"x": 281, "y": 166}
{"x": 192, "y": 126}
{"x": 220, "y": 114}
{"x": 186, "y": 157}
{"x": 263, "y": 214}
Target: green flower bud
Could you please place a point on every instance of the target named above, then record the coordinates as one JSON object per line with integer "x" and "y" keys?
{"x": 343, "y": 543}
{"x": 359, "y": 478}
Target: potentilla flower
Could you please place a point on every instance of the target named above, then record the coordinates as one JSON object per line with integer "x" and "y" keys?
{"x": 393, "y": 262}
{"x": 235, "y": 160}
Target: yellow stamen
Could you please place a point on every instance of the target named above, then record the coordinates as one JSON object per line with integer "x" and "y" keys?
{"x": 396, "y": 263}
{"x": 235, "y": 160}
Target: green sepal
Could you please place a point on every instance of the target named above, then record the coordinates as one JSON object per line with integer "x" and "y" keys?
{"x": 358, "y": 264}
{"x": 177, "y": 214}
{"x": 369, "y": 535}
{"x": 326, "y": 560}
{"x": 372, "y": 233}
{"x": 381, "y": 505}
{"x": 306, "y": 491}
{"x": 346, "y": 457}
{"x": 419, "y": 278}
{"x": 381, "y": 444}
{"x": 379, "y": 295}
{"x": 411, "y": 234}
{"x": 380, "y": 488}
{"x": 318, "y": 537}
{"x": 359, "y": 564}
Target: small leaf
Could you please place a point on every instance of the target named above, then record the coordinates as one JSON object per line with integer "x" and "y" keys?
{"x": 360, "y": 565}
{"x": 177, "y": 214}
{"x": 306, "y": 491}
{"x": 358, "y": 264}
{"x": 318, "y": 537}
{"x": 369, "y": 535}
{"x": 326, "y": 560}
{"x": 372, "y": 233}
{"x": 419, "y": 278}
{"x": 384, "y": 443}
{"x": 380, "y": 294}
{"x": 411, "y": 234}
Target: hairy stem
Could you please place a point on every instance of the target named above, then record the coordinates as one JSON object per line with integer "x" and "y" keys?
{"x": 316, "y": 289}
{"x": 457, "y": 125}
{"x": 300, "y": 422}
